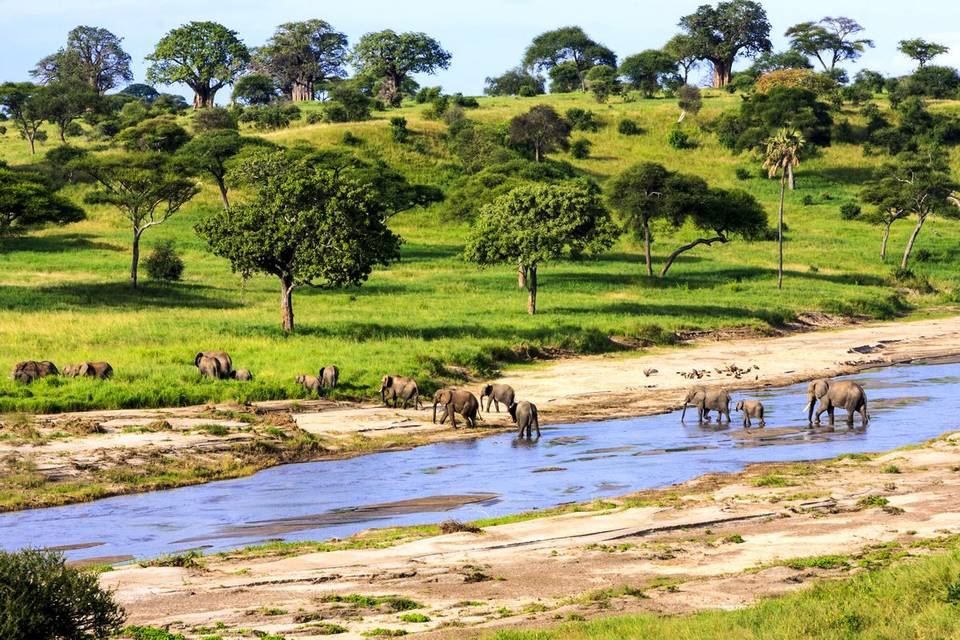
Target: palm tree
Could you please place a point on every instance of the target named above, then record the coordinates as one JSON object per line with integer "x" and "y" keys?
{"x": 782, "y": 155}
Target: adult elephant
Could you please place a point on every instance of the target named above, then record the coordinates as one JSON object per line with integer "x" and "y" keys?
{"x": 29, "y": 370}
{"x": 834, "y": 394}
{"x": 99, "y": 370}
{"x": 329, "y": 376}
{"x": 215, "y": 364}
{"x": 399, "y": 388}
{"x": 496, "y": 394}
{"x": 707, "y": 400}
{"x": 527, "y": 418}
{"x": 456, "y": 401}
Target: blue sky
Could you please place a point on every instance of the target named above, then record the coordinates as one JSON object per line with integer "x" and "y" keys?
{"x": 485, "y": 37}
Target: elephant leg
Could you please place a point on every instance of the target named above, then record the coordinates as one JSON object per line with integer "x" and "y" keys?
{"x": 453, "y": 416}
{"x": 495, "y": 404}
{"x": 830, "y": 409}
{"x": 850, "y": 418}
{"x": 863, "y": 415}
{"x": 746, "y": 421}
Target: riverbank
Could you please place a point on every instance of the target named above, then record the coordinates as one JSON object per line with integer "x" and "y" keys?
{"x": 62, "y": 458}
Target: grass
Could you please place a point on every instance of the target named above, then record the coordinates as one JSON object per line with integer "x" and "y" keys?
{"x": 64, "y": 296}
{"x": 907, "y": 601}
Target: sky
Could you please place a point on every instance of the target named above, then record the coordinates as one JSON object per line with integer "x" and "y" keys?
{"x": 485, "y": 37}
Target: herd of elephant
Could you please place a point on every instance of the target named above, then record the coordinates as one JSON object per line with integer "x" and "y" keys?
{"x": 831, "y": 394}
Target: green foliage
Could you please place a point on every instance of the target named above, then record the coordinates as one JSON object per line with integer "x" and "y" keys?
{"x": 580, "y": 148}
{"x": 93, "y": 57}
{"x": 933, "y": 82}
{"x": 601, "y": 80}
{"x": 872, "y": 501}
{"x": 568, "y": 46}
{"x": 43, "y": 599}
{"x": 154, "y": 134}
{"x": 720, "y": 34}
{"x": 923, "y": 51}
{"x": 629, "y": 127}
{"x": 583, "y": 120}
{"x": 540, "y": 130}
{"x": 150, "y": 633}
{"x": 651, "y": 71}
{"x": 164, "y": 263}
{"x": 391, "y": 58}
{"x": 781, "y": 107}
{"x": 734, "y": 539}
{"x": 831, "y": 40}
{"x": 849, "y": 211}
{"x": 272, "y": 116}
{"x": 255, "y": 89}
{"x": 347, "y": 103}
{"x": 678, "y": 139}
{"x": 689, "y": 99}
{"x": 515, "y": 82}
{"x": 398, "y": 129}
{"x": 470, "y": 193}
{"x": 22, "y": 103}
{"x": 212, "y": 119}
{"x": 414, "y": 617}
{"x": 27, "y": 201}
{"x": 303, "y": 57}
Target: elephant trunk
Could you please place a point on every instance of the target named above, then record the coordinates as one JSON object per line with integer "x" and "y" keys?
{"x": 684, "y": 413}
{"x": 809, "y": 408}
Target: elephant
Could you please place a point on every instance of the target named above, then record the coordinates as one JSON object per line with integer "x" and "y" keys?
{"x": 243, "y": 375}
{"x": 399, "y": 388}
{"x": 29, "y": 370}
{"x": 215, "y": 364}
{"x": 833, "y": 394}
{"x": 99, "y": 370}
{"x": 310, "y": 383}
{"x": 751, "y": 409}
{"x": 707, "y": 400}
{"x": 525, "y": 415}
{"x": 456, "y": 401}
{"x": 329, "y": 376}
{"x": 496, "y": 393}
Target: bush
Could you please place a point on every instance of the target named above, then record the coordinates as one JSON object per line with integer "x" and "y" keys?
{"x": 678, "y": 139}
{"x": 629, "y": 127}
{"x": 271, "y": 117}
{"x": 849, "y": 211}
{"x": 465, "y": 102}
{"x": 43, "y": 599}
{"x": 398, "y": 129}
{"x": 347, "y": 104}
{"x": 164, "y": 263}
{"x": 807, "y": 200}
{"x": 350, "y": 139}
{"x": 215, "y": 118}
{"x": 583, "y": 120}
{"x": 427, "y": 94}
{"x": 580, "y": 148}
{"x": 314, "y": 117}
{"x": 155, "y": 134}
{"x": 743, "y": 173}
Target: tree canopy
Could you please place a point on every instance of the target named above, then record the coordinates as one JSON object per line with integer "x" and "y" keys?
{"x": 515, "y": 82}
{"x": 720, "y": 34}
{"x": 27, "y": 201}
{"x": 391, "y": 57}
{"x": 831, "y": 40}
{"x": 763, "y": 113}
{"x": 209, "y": 153}
{"x": 302, "y": 57}
{"x": 923, "y": 51}
{"x": 568, "y": 45}
{"x": 650, "y": 71}
{"x": 93, "y": 56}
{"x": 683, "y": 49}
{"x": 23, "y": 103}
{"x": 540, "y": 130}
{"x": 255, "y": 89}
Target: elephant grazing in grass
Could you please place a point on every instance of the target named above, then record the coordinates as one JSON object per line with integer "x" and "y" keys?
{"x": 495, "y": 394}
{"x": 525, "y": 415}
{"x": 456, "y": 401}
{"x": 214, "y": 364}
{"x": 833, "y": 394}
{"x": 99, "y": 370}
{"x": 329, "y": 376}
{"x": 707, "y": 400}
{"x": 29, "y": 370}
{"x": 310, "y": 383}
{"x": 243, "y": 375}
{"x": 399, "y": 388}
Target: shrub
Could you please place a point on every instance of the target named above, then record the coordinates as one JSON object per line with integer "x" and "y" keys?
{"x": 849, "y": 211}
{"x": 314, "y": 117}
{"x": 629, "y": 127}
{"x": 580, "y": 148}
{"x": 273, "y": 116}
{"x": 164, "y": 263}
{"x": 583, "y": 120}
{"x": 155, "y": 134}
{"x": 43, "y": 599}
{"x": 922, "y": 255}
{"x": 347, "y": 104}
{"x": 3, "y": 130}
{"x": 465, "y": 102}
{"x": 215, "y": 118}
{"x": 743, "y": 174}
{"x": 678, "y": 139}
{"x": 350, "y": 139}
{"x": 427, "y": 94}
{"x": 527, "y": 91}
{"x": 398, "y": 129}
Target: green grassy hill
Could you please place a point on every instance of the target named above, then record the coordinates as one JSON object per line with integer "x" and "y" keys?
{"x": 64, "y": 294}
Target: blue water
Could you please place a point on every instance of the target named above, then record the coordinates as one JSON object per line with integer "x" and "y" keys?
{"x": 908, "y": 404}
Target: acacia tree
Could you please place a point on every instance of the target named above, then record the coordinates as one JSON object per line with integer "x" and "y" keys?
{"x": 536, "y": 223}
{"x": 638, "y": 195}
{"x": 602, "y": 82}
{"x": 209, "y": 154}
{"x": 26, "y": 202}
{"x": 720, "y": 34}
{"x": 302, "y": 57}
{"x": 63, "y": 102}
{"x": 781, "y": 156}
{"x": 541, "y": 130}
{"x": 146, "y": 189}
{"x": 683, "y": 49}
{"x": 890, "y": 207}
{"x": 568, "y": 45}
{"x": 308, "y": 225}
{"x": 22, "y": 103}
{"x": 514, "y": 82}
{"x": 923, "y": 51}
{"x": 391, "y": 57}
{"x": 831, "y": 40}
{"x": 650, "y": 71}
{"x": 205, "y": 56}
{"x": 93, "y": 56}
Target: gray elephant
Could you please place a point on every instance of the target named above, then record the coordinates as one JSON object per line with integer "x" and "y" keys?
{"x": 243, "y": 375}
{"x": 707, "y": 400}
{"x": 29, "y": 370}
{"x": 751, "y": 409}
{"x": 496, "y": 393}
{"x": 456, "y": 401}
{"x": 834, "y": 394}
{"x": 525, "y": 415}
{"x": 99, "y": 370}
{"x": 399, "y": 388}
{"x": 214, "y": 364}
{"x": 310, "y": 383}
{"x": 329, "y": 376}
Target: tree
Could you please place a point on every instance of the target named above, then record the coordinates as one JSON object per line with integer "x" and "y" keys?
{"x": 27, "y": 201}
{"x": 891, "y": 205}
{"x": 770, "y": 61}
{"x": 255, "y": 89}
{"x": 213, "y": 119}
{"x": 209, "y": 153}
{"x": 871, "y": 80}
{"x": 602, "y": 82}
{"x": 93, "y": 56}
{"x": 515, "y": 82}
{"x": 568, "y": 44}
{"x": 391, "y": 57}
{"x": 63, "y": 102}
{"x": 762, "y": 114}
{"x": 143, "y": 92}
{"x": 781, "y": 156}
{"x": 305, "y": 224}
{"x": 923, "y": 51}
{"x": 564, "y": 78}
{"x": 206, "y": 56}
{"x": 720, "y": 34}
{"x": 303, "y": 57}
{"x": 144, "y": 187}
{"x": 689, "y": 99}
{"x": 541, "y": 130}
{"x": 154, "y": 134}
{"x": 22, "y": 102}
{"x": 683, "y": 49}
{"x": 650, "y": 71}
{"x": 41, "y": 598}
{"x": 638, "y": 194}
{"x": 536, "y": 223}
{"x": 831, "y": 41}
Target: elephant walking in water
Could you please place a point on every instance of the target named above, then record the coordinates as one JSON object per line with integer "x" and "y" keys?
{"x": 707, "y": 400}
{"x": 525, "y": 415}
{"x": 833, "y": 394}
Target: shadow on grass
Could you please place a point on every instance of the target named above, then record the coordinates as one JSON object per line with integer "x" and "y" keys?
{"x": 843, "y": 175}
{"x": 58, "y": 243}
{"x": 113, "y": 294}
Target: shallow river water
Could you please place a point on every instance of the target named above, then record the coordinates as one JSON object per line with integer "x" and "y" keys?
{"x": 487, "y": 477}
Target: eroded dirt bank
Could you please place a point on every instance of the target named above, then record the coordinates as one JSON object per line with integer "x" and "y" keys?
{"x": 63, "y": 458}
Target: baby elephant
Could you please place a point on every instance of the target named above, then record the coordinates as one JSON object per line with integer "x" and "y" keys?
{"x": 329, "y": 376}
{"x": 525, "y": 415}
{"x": 29, "y": 370}
{"x": 495, "y": 394}
{"x": 399, "y": 389}
{"x": 310, "y": 383}
{"x": 242, "y": 375}
{"x": 99, "y": 370}
{"x": 456, "y": 401}
{"x": 751, "y": 409}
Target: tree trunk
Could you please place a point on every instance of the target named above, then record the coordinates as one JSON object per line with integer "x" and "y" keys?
{"x": 646, "y": 247}
{"x": 33, "y": 148}
{"x": 687, "y": 247}
{"x": 721, "y": 73}
{"x": 521, "y": 275}
{"x": 536, "y": 152}
{"x": 62, "y": 130}
{"x": 783, "y": 179}
{"x": 532, "y": 288}
{"x": 222, "y": 185}
{"x": 791, "y": 180}
{"x": 135, "y": 261}
{"x": 302, "y": 91}
{"x": 883, "y": 245}
{"x": 907, "y": 250}
{"x": 286, "y": 303}
{"x": 203, "y": 97}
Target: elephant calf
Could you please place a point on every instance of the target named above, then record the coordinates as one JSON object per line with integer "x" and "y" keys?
{"x": 29, "y": 370}
{"x": 496, "y": 393}
{"x": 399, "y": 388}
{"x": 525, "y": 415}
{"x": 707, "y": 400}
{"x": 310, "y": 383}
{"x": 329, "y": 376}
{"x": 99, "y": 370}
{"x": 243, "y": 375}
{"x": 456, "y": 401}
{"x": 751, "y": 409}
{"x": 214, "y": 364}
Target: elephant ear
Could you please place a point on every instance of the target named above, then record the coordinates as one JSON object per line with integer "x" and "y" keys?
{"x": 196, "y": 361}
{"x": 85, "y": 369}
{"x": 388, "y": 381}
